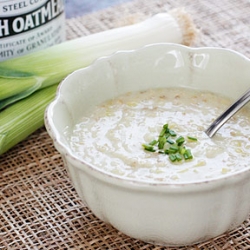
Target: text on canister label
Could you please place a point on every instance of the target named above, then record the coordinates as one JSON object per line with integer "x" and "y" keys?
{"x": 17, "y": 24}
{"x": 30, "y": 25}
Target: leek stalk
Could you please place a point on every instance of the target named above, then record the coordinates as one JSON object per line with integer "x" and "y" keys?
{"x": 24, "y": 117}
{"x": 19, "y": 77}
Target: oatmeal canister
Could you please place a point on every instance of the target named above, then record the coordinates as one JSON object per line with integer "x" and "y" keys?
{"x": 30, "y": 25}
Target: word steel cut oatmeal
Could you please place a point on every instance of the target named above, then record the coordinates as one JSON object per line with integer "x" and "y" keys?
{"x": 30, "y": 25}
{"x": 111, "y": 136}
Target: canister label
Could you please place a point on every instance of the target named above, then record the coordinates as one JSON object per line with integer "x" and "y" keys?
{"x": 30, "y": 25}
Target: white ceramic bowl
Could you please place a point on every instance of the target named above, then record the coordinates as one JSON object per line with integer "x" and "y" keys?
{"x": 168, "y": 214}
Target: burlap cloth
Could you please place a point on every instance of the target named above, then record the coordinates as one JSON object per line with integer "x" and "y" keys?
{"x": 39, "y": 207}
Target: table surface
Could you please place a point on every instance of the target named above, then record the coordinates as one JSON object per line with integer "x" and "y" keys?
{"x": 74, "y": 8}
{"x": 40, "y": 208}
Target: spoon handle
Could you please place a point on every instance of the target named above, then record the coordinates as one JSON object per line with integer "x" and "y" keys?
{"x": 236, "y": 106}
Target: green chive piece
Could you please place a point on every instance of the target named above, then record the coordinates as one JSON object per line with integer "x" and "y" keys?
{"x": 170, "y": 141}
{"x": 166, "y": 151}
{"x": 172, "y": 157}
{"x": 165, "y": 126}
{"x": 178, "y": 156}
{"x": 149, "y": 148}
{"x": 182, "y": 150}
{"x": 172, "y": 133}
{"x": 162, "y": 140}
{"x": 173, "y": 148}
{"x": 192, "y": 138}
{"x": 167, "y": 135}
{"x": 180, "y": 140}
{"x": 153, "y": 143}
{"x": 162, "y": 133}
{"x": 188, "y": 155}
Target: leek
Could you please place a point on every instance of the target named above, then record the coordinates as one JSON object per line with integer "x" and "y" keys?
{"x": 28, "y": 83}
{"x": 24, "y": 117}
{"x": 20, "y": 77}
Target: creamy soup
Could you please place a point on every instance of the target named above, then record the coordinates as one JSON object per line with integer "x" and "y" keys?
{"x": 111, "y": 136}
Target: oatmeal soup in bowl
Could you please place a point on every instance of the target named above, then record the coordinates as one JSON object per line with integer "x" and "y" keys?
{"x": 130, "y": 129}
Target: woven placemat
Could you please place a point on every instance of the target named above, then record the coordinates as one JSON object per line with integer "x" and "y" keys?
{"x": 39, "y": 208}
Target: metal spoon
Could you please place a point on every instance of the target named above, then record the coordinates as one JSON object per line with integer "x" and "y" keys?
{"x": 236, "y": 106}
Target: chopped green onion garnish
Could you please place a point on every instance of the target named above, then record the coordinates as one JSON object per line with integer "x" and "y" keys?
{"x": 175, "y": 148}
{"x": 192, "y": 138}
{"x": 149, "y": 148}
{"x": 178, "y": 156}
{"x": 182, "y": 150}
{"x": 170, "y": 141}
{"x": 180, "y": 140}
{"x": 162, "y": 140}
{"x": 172, "y": 157}
{"x": 162, "y": 133}
{"x": 167, "y": 135}
{"x": 188, "y": 155}
{"x": 166, "y": 151}
{"x": 165, "y": 126}
{"x": 154, "y": 142}
{"x": 172, "y": 133}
